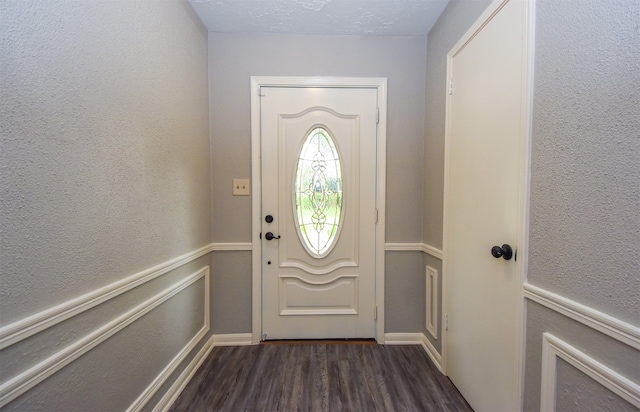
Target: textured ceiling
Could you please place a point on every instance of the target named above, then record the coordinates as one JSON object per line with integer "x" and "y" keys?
{"x": 350, "y": 17}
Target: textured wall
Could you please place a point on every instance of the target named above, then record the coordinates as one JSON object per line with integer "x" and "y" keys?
{"x": 236, "y": 57}
{"x": 456, "y": 19}
{"x": 104, "y": 172}
{"x": 585, "y": 189}
{"x": 585, "y": 181}
{"x": 585, "y": 184}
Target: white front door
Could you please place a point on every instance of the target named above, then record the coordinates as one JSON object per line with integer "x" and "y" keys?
{"x": 318, "y": 148}
{"x": 486, "y": 160}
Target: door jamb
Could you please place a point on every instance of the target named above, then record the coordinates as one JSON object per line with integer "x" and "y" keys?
{"x": 525, "y": 173}
{"x": 380, "y": 84}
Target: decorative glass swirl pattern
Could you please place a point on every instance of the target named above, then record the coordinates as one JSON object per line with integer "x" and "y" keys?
{"x": 318, "y": 193}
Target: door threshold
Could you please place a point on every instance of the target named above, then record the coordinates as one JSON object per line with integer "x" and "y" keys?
{"x": 368, "y": 341}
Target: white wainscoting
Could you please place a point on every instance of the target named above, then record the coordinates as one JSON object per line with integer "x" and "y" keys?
{"x": 415, "y": 339}
{"x": 41, "y": 371}
{"x": 554, "y": 348}
{"x": 151, "y": 390}
{"x": 432, "y": 303}
{"x": 593, "y": 318}
{"x": 22, "y": 329}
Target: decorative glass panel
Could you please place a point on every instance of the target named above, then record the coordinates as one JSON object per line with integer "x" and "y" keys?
{"x": 318, "y": 192}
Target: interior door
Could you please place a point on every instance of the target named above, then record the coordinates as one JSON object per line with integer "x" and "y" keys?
{"x": 486, "y": 139}
{"x": 318, "y": 148}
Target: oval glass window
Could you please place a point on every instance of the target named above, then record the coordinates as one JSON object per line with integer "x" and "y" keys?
{"x": 318, "y": 193}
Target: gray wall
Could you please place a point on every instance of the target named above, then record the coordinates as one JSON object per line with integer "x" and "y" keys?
{"x": 236, "y": 57}
{"x": 104, "y": 173}
{"x": 585, "y": 181}
{"x": 585, "y": 187}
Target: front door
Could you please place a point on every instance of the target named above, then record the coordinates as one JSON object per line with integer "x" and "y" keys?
{"x": 318, "y": 148}
{"x": 487, "y": 137}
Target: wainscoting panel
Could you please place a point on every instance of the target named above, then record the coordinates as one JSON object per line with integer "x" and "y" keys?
{"x": 432, "y": 303}
{"x": 182, "y": 355}
{"x": 29, "y": 378}
{"x": 554, "y": 348}
{"x": 22, "y": 329}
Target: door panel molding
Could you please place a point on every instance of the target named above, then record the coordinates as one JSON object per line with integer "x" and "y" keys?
{"x": 257, "y": 82}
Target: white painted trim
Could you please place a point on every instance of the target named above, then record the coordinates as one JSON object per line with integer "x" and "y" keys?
{"x": 171, "y": 367}
{"x": 553, "y": 348}
{"x": 41, "y": 371}
{"x": 256, "y": 214}
{"x": 403, "y": 247}
{"x": 167, "y": 400}
{"x": 432, "y": 304}
{"x": 415, "y": 339}
{"x": 433, "y": 251}
{"x": 22, "y": 329}
{"x": 238, "y": 246}
{"x": 414, "y": 247}
{"x": 528, "y": 42}
{"x": 609, "y": 325}
{"x": 233, "y": 339}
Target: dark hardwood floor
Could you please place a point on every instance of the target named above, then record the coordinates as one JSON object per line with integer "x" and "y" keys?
{"x": 319, "y": 377}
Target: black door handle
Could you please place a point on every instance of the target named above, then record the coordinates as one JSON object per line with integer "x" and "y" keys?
{"x": 505, "y": 252}
{"x": 270, "y": 236}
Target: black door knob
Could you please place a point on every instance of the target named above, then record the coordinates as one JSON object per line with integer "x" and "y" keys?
{"x": 270, "y": 236}
{"x": 505, "y": 252}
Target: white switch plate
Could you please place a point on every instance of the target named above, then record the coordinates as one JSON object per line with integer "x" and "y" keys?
{"x": 241, "y": 187}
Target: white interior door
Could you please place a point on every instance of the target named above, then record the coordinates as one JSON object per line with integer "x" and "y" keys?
{"x": 318, "y": 148}
{"x": 486, "y": 146}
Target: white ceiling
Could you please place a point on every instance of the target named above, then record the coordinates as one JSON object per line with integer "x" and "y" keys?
{"x": 340, "y": 17}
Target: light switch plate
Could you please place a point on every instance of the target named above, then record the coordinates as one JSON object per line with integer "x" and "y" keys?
{"x": 241, "y": 187}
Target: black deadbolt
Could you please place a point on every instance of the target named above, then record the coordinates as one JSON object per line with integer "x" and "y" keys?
{"x": 268, "y": 219}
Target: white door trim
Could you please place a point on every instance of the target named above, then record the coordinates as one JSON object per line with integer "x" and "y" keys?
{"x": 256, "y": 192}
{"x": 524, "y": 191}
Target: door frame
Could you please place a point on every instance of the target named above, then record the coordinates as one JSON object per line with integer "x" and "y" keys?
{"x": 378, "y": 83}
{"x": 524, "y": 178}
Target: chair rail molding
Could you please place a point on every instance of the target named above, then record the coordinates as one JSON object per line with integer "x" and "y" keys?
{"x": 609, "y": 325}
{"x": 22, "y": 329}
{"x": 231, "y": 246}
{"x": 29, "y": 378}
{"x": 414, "y": 247}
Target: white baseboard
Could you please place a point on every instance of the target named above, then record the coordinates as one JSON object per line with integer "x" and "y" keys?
{"x": 554, "y": 348}
{"x": 232, "y": 339}
{"x": 185, "y": 377}
{"x": 415, "y": 339}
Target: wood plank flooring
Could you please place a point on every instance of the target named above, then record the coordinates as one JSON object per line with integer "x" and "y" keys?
{"x": 319, "y": 377}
